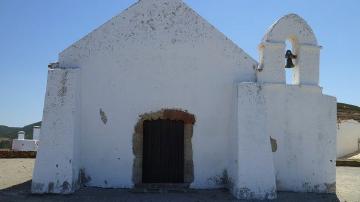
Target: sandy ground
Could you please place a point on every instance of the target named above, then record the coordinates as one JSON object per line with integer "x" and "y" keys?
{"x": 348, "y": 183}
{"x": 15, "y": 176}
{"x": 15, "y": 171}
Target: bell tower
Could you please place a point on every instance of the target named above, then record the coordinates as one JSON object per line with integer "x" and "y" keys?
{"x": 292, "y": 126}
{"x": 272, "y": 52}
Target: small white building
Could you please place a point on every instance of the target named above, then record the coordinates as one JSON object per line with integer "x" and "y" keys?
{"x": 36, "y": 132}
{"x": 348, "y": 137}
{"x": 348, "y": 130}
{"x": 158, "y": 95}
{"x": 22, "y": 144}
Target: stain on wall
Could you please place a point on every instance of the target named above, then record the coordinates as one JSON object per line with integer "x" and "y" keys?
{"x": 103, "y": 116}
{"x": 273, "y": 144}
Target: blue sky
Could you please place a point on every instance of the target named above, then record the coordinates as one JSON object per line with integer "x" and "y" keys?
{"x": 32, "y": 33}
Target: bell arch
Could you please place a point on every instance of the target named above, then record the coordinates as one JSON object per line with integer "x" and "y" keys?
{"x": 272, "y": 52}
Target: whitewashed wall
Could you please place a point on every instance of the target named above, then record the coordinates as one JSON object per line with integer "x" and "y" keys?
{"x": 299, "y": 119}
{"x": 56, "y": 166}
{"x": 348, "y": 137}
{"x": 303, "y": 122}
{"x": 160, "y": 54}
{"x": 252, "y": 168}
{"x": 157, "y": 54}
{"x": 25, "y": 145}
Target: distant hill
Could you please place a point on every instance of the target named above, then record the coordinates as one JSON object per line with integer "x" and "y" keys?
{"x": 7, "y": 134}
{"x": 346, "y": 112}
{"x": 11, "y": 132}
{"x": 5, "y": 130}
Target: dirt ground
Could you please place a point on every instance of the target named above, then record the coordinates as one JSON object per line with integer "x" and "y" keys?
{"x": 15, "y": 171}
{"x": 15, "y": 180}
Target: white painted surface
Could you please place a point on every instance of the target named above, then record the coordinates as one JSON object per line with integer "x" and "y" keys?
{"x": 272, "y": 52}
{"x": 36, "y": 133}
{"x": 161, "y": 54}
{"x": 24, "y": 145}
{"x": 56, "y": 166}
{"x": 299, "y": 117}
{"x": 21, "y": 135}
{"x": 153, "y": 56}
{"x": 303, "y": 122}
{"x": 254, "y": 172}
{"x": 348, "y": 137}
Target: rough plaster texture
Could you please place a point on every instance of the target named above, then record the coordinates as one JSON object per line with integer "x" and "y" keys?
{"x": 303, "y": 122}
{"x": 25, "y": 145}
{"x": 160, "y": 54}
{"x": 293, "y": 28}
{"x": 348, "y": 137}
{"x": 157, "y": 54}
{"x": 56, "y": 168}
{"x": 253, "y": 169}
{"x": 298, "y": 117}
{"x": 287, "y": 114}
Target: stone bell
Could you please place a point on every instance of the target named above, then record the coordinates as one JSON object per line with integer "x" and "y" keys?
{"x": 289, "y": 56}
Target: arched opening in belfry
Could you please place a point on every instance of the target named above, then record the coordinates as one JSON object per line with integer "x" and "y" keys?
{"x": 290, "y": 61}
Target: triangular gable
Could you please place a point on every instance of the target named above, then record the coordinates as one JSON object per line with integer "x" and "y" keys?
{"x": 144, "y": 19}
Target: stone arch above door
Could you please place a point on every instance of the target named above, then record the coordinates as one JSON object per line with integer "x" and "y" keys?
{"x": 167, "y": 114}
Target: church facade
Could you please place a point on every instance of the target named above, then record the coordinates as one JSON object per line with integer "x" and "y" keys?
{"x": 157, "y": 95}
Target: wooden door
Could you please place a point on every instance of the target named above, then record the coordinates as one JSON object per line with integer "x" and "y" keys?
{"x": 163, "y": 151}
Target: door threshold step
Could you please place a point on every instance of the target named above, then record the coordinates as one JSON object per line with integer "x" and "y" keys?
{"x": 162, "y": 188}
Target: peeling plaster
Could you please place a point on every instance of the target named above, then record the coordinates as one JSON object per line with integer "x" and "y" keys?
{"x": 37, "y": 187}
{"x": 66, "y": 187}
{"x": 247, "y": 194}
{"x": 165, "y": 43}
{"x": 103, "y": 116}
{"x": 273, "y": 144}
{"x": 63, "y": 88}
{"x": 222, "y": 180}
{"x": 84, "y": 179}
{"x": 319, "y": 188}
{"x": 330, "y": 187}
{"x": 50, "y": 187}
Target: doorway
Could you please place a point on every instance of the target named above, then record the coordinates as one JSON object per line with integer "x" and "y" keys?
{"x": 163, "y": 151}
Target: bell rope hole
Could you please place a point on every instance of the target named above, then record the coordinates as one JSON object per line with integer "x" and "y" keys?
{"x": 289, "y": 72}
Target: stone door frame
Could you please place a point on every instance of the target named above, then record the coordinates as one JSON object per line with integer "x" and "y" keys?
{"x": 169, "y": 114}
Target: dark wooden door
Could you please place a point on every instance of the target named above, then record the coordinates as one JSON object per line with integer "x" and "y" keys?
{"x": 163, "y": 151}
